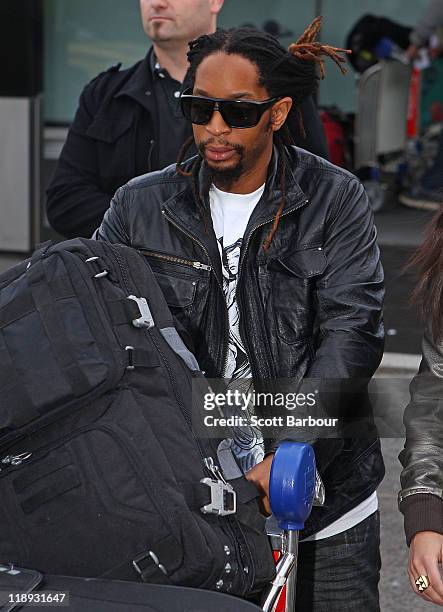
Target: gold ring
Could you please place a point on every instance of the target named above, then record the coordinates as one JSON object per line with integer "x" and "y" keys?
{"x": 422, "y": 583}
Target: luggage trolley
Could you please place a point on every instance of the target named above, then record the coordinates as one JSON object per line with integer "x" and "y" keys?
{"x": 380, "y": 122}
{"x": 292, "y": 490}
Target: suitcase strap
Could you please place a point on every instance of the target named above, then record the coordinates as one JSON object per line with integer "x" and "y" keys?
{"x": 154, "y": 565}
{"x": 198, "y": 495}
{"x": 10, "y": 384}
{"x": 52, "y": 322}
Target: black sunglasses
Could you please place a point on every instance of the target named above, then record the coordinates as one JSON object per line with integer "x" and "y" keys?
{"x": 235, "y": 113}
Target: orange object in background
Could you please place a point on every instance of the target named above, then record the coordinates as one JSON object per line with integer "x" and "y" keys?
{"x": 413, "y": 122}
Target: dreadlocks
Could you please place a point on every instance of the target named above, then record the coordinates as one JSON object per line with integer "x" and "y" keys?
{"x": 291, "y": 72}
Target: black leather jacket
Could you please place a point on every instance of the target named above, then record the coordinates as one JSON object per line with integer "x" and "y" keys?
{"x": 421, "y": 496}
{"x": 310, "y": 306}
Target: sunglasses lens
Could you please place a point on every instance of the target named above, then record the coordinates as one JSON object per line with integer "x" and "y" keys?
{"x": 197, "y": 111}
{"x": 240, "y": 114}
{"x": 236, "y": 114}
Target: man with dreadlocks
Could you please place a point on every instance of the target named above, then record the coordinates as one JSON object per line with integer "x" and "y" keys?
{"x": 308, "y": 282}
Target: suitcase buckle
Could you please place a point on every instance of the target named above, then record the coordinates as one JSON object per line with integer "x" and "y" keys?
{"x": 223, "y": 498}
{"x": 146, "y": 319}
{"x": 142, "y": 562}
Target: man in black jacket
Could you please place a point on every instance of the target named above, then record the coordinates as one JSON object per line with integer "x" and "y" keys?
{"x": 301, "y": 300}
{"x": 129, "y": 122}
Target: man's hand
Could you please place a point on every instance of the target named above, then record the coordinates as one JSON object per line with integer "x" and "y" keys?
{"x": 412, "y": 52}
{"x": 425, "y": 557}
{"x": 436, "y": 52}
{"x": 259, "y": 476}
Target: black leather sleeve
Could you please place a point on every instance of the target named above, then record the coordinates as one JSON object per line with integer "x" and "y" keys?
{"x": 114, "y": 227}
{"x": 421, "y": 496}
{"x": 350, "y": 292}
{"x": 350, "y": 297}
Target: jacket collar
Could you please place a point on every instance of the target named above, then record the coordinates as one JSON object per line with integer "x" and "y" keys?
{"x": 269, "y": 203}
{"x": 185, "y": 207}
{"x": 182, "y": 207}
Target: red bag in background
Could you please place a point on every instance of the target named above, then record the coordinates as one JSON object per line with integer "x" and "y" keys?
{"x": 413, "y": 123}
{"x": 338, "y": 133}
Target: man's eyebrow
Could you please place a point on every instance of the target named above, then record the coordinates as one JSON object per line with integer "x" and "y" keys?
{"x": 233, "y": 96}
{"x": 243, "y": 94}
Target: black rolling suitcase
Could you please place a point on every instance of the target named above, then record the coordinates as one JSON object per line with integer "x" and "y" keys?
{"x": 26, "y": 589}
{"x": 100, "y": 473}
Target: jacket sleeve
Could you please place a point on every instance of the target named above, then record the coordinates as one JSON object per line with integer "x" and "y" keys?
{"x": 75, "y": 202}
{"x": 421, "y": 496}
{"x": 349, "y": 301}
{"x": 114, "y": 227}
{"x": 350, "y": 292}
{"x": 431, "y": 19}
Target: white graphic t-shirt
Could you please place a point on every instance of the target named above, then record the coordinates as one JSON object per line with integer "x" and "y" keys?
{"x": 230, "y": 215}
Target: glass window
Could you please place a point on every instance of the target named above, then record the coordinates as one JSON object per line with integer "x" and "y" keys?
{"x": 85, "y": 37}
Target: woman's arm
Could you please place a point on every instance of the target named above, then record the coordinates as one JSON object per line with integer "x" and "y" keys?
{"x": 421, "y": 497}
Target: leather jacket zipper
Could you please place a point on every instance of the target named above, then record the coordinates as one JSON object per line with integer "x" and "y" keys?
{"x": 185, "y": 262}
{"x": 202, "y": 246}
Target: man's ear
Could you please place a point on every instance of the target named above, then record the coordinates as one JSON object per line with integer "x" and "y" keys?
{"x": 279, "y": 112}
{"x": 216, "y": 6}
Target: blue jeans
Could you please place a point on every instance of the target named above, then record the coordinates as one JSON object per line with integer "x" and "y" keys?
{"x": 341, "y": 573}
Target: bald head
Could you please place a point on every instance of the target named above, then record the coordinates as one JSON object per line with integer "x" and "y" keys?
{"x": 175, "y": 22}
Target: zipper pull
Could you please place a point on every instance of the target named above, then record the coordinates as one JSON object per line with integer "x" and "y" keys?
{"x": 16, "y": 459}
{"x": 201, "y": 266}
{"x": 214, "y": 469}
{"x": 209, "y": 464}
